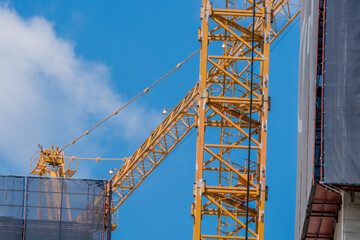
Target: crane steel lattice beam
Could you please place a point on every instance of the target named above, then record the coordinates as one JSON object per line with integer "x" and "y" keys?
{"x": 220, "y": 102}
{"x": 228, "y": 201}
{"x": 185, "y": 116}
{"x": 160, "y": 143}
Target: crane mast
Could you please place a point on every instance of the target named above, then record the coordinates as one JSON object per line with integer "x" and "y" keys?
{"x": 233, "y": 108}
{"x": 228, "y": 107}
{"x": 230, "y": 188}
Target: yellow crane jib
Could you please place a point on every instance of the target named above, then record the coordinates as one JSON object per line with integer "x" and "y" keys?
{"x": 231, "y": 102}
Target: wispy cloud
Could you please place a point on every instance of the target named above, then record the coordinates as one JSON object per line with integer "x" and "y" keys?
{"x": 48, "y": 94}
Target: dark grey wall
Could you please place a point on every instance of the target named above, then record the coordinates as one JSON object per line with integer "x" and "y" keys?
{"x": 342, "y": 93}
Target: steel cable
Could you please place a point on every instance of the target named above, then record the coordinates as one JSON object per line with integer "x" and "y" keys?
{"x": 132, "y": 100}
{"x": 250, "y": 119}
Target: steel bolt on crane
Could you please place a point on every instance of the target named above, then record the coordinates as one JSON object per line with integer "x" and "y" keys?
{"x": 229, "y": 107}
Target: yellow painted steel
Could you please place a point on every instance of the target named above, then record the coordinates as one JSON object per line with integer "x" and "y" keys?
{"x": 160, "y": 143}
{"x": 220, "y": 189}
{"x": 52, "y": 162}
{"x": 218, "y": 106}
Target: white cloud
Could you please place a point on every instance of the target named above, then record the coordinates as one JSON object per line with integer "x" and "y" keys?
{"x": 49, "y": 95}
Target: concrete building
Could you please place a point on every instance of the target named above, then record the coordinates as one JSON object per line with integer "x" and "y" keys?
{"x": 328, "y": 198}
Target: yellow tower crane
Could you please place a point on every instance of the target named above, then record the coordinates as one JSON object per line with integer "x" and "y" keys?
{"x": 228, "y": 106}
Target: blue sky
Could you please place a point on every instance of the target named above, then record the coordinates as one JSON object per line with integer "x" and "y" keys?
{"x": 73, "y": 62}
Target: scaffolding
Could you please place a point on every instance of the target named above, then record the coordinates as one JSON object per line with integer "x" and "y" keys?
{"x": 53, "y": 208}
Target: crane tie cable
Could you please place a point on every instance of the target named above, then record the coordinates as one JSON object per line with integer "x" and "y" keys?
{"x": 146, "y": 90}
{"x": 250, "y": 120}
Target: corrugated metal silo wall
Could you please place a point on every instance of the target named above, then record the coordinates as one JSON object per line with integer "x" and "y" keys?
{"x": 307, "y": 76}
